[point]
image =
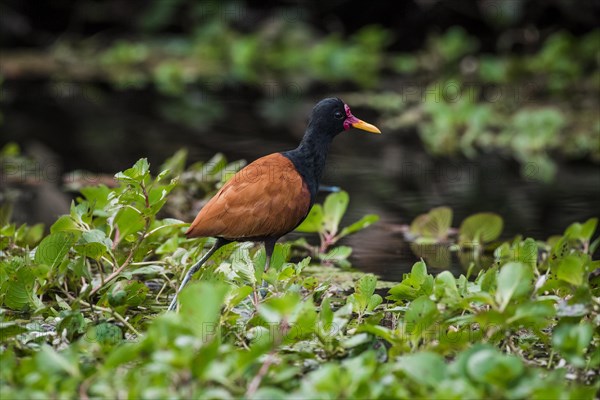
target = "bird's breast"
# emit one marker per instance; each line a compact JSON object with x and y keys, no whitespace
{"x":266,"y":199}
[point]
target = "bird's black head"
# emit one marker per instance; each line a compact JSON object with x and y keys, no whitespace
{"x":332,"y":116}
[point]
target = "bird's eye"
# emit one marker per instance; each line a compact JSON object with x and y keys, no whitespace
{"x":338,"y":115}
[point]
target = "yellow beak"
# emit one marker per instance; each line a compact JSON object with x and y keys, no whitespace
{"x":365,"y":126}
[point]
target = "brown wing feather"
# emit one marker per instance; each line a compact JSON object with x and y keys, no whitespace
{"x":267,"y":198}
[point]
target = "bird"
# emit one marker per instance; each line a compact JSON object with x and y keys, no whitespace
{"x":271,"y":196}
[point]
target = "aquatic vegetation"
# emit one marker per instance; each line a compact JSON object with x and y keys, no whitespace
{"x":325,"y":220}
{"x":83,"y":309}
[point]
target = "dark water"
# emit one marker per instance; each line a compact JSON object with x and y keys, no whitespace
{"x":389,"y":174}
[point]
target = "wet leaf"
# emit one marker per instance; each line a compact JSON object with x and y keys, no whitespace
{"x":313,"y":222}
{"x":359,"y":225}
{"x":514,"y":282}
{"x":334,"y":209}
{"x":482,"y":227}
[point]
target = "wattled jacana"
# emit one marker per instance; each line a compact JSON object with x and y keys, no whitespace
{"x":271,"y":196}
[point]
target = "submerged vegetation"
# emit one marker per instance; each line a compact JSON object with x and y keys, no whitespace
{"x":83,"y":307}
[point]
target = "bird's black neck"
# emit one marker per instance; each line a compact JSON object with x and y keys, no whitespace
{"x":309,"y":158}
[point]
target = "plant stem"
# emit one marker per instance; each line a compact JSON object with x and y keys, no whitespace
{"x":262,"y":372}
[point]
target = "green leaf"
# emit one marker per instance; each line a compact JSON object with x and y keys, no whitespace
{"x":420,"y":316}
{"x":435,"y":224}
{"x":361,"y":224}
{"x":137,"y":173}
{"x":127,"y":293}
{"x":333,"y":209}
{"x":9,"y":329}
{"x":363,"y":299}
{"x":445,"y":289}
{"x":588,"y":229}
{"x":72,"y":323}
{"x":571,"y":269}
{"x":536,"y":313}
{"x":97,"y":196}
{"x":93,"y":244}
{"x":53,"y":249}
{"x":514,"y":282}
{"x":571,"y":340}
{"x":313,"y":222}
{"x":326,"y":314}
{"x":490,"y":366}
{"x":425,"y":368}
{"x":583,"y":232}
{"x":48,"y":359}
{"x":168,"y":246}
{"x":201,"y":304}
{"x":482,"y":227}
{"x":129,"y":221}
{"x":65,"y":223}
{"x":104,"y":333}
{"x":337,"y":253}
{"x":413,"y":285}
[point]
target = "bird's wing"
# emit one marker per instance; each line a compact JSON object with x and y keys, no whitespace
{"x":267,"y":198}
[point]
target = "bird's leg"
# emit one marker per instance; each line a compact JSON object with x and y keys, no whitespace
{"x":194,"y":268}
{"x":269,"y":247}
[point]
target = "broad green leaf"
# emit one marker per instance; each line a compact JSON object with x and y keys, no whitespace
{"x":571,"y":340}
{"x":478,"y":228}
{"x":488,"y":280}
{"x":374,"y":301}
{"x":492,"y":367}
{"x":363,"y":299}
{"x":435,"y":224}
{"x":93,"y":244}
{"x":53,"y":249}
{"x":137,"y":173}
{"x":445,"y":289}
{"x":326,"y":314}
{"x":333,"y":210}
{"x":129,"y":221}
{"x":313,"y":222}
{"x":514,"y":282}
{"x":361,"y":224}
{"x":122,"y":354}
{"x":127,"y":293}
{"x":571,"y":269}
{"x":168,"y":246}
{"x":31,"y":235}
{"x":533,"y":313}
{"x":104,"y":333}
{"x":97,"y":196}
{"x":337,"y":253}
{"x":48,"y":359}
{"x":237,"y":295}
{"x":365,"y":286}
{"x":64,"y":223}
{"x":413,"y":285}
{"x":176,"y":163}
{"x":425,"y":368}
{"x":583,"y":232}
{"x":588,"y":229}
{"x":281,"y":254}
{"x":380,"y":331}
{"x":201,"y":304}
{"x":302,"y":322}
{"x":420,"y":316}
